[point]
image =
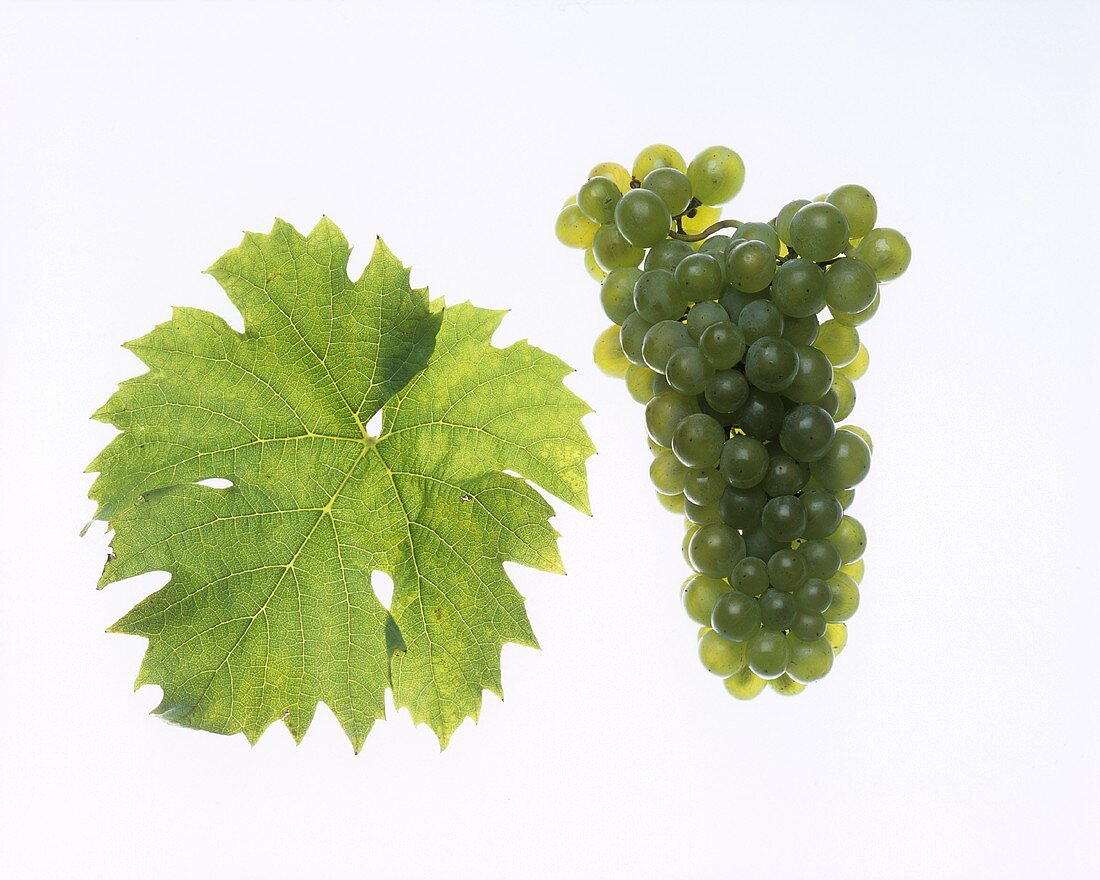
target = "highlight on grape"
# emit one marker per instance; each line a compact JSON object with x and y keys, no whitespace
{"x":717,"y":328}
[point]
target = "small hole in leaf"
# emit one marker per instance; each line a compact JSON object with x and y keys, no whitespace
{"x":382,"y":584}
{"x":374,"y":426}
{"x":215,"y":483}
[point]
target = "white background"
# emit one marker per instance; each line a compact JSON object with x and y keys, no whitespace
{"x":956,"y":736}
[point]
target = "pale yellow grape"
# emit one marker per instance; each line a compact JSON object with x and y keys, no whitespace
{"x":613,"y":170}
{"x":859,"y":432}
{"x":639,"y":382}
{"x":572,"y":200}
{"x":854,"y":570}
{"x":594,"y":270}
{"x":689,"y":532}
{"x":745,"y":685}
{"x":716,"y":174}
{"x":786,"y":685}
{"x":719,"y":656}
{"x":574,"y":229}
{"x":846,"y":396}
{"x":838,"y":342}
{"x":671,"y":503}
{"x":658,"y":156}
{"x":608,"y":353}
{"x":857,"y":369}
{"x":705,"y":215}
{"x":836,"y":634}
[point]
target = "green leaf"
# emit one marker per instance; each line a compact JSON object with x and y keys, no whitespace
{"x":270,"y":607}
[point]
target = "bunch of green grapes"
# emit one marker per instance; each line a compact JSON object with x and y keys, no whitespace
{"x":718,"y":333}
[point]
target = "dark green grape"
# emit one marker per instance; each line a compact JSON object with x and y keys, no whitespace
{"x":742,"y":508}
{"x":767,"y":654}
{"x":612,"y":251}
{"x":829,"y":402}
{"x":702,"y":315}
{"x":700,"y":514}
{"x":705,"y":486}
{"x":631,"y":336}
{"x":597,"y":199}
{"x":786,"y":570}
{"x":688,"y":371}
{"x":858,"y":207}
{"x":664,"y":413}
{"x":744,"y":461}
{"x":807,"y":432}
{"x":667,"y":254}
{"x":727,"y":390}
{"x":771,"y":363}
{"x":760,"y":318}
{"x":798,"y":289}
{"x":699,"y":593}
{"x":734,"y":300}
{"x":657,"y":296}
{"x":814,"y":595}
{"x":715,"y":549}
{"x":845,"y":599}
{"x":783,"y":518}
{"x":617,"y":293}
{"x":764,"y":232}
{"x":750,"y":576}
{"x":783,"y":219}
{"x":785,"y":476}
{"x":761,"y":416}
{"x":661,"y":340}
{"x":814,"y":377}
{"x":660,"y":383}
{"x":642,"y":218}
{"x":698,"y":441}
{"x":723,"y":344}
{"x":778,"y":610}
{"x":671,"y":185}
{"x":667,"y":473}
{"x":850,"y":286}
{"x":700,"y":277}
{"x":759,"y":544}
{"x":808,"y":661}
{"x":750,"y":266}
{"x":823,"y":513}
{"x":717,"y":245}
{"x":801,"y":332}
{"x":886,"y":251}
{"x":844,"y":464}
{"x":818,"y":231}
{"x":822,"y":558}
{"x":850,"y":540}
{"x":735,"y":616}
{"x":720,"y":656}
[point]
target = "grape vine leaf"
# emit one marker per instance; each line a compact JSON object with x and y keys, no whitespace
{"x":270,"y":608}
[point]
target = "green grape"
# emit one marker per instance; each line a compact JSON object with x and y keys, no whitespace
{"x":699,"y":593}
{"x":667,"y":254}
{"x":665,"y":412}
{"x":798,"y":289}
{"x":807,"y":432}
{"x":597,"y":199}
{"x":814,"y":377}
{"x":690,"y":529}
{"x":814,"y":595}
{"x":800,"y":332}
{"x":818,"y":231}
{"x":838,"y":342}
{"x":657,"y":156}
{"x":854,"y":570}
{"x":808,"y":661}
{"x":844,"y":464}
{"x":858,"y":207}
{"x":785,"y":476}
{"x":850,"y":286}
{"x":657,"y":297}
{"x":617,"y":293}
{"x":767,"y":653}
{"x":759,"y":544}
{"x":632,"y":335}
{"x":822,"y":558}
{"x":615,"y":171}
{"x":760,"y":318}
{"x":639,"y":381}
{"x":859,"y":317}
{"x":845,"y":599}
{"x":850,"y":539}
{"x":734,"y":300}
{"x":700,"y":277}
{"x":886,"y":251}
{"x":704,"y":486}
{"x":808,"y":626}
{"x":845,"y":396}
{"x":783,"y":518}
{"x":736,"y":616}
{"x":721,"y":656}
{"x":642,"y":218}
{"x":764,"y":232}
{"x":761,"y":416}
{"x":787,"y":570}
{"x":778,"y":610}
{"x":783,"y":219}
{"x":654,"y":447}
{"x":750,"y":576}
{"x":702,"y":315}
{"x":742,"y":508}
{"x":771,"y":363}
{"x":702,"y":514}
{"x":786,"y":686}
{"x":715,"y":549}
{"x":660,"y":384}
{"x":861,"y":433}
{"x":846,"y":497}
{"x":672,"y":185}
{"x":612,"y":251}
{"x":745,"y":685}
{"x":750,"y":266}
{"x":698,"y":440}
{"x":592,"y":267}
{"x":608,"y":353}
{"x":836,"y":634}
{"x":726,"y":391}
{"x":716,"y":175}
{"x":667,"y":473}
{"x":660,"y":341}
{"x":717,"y":244}
{"x":857,"y":369}
{"x":671,"y":503}
{"x":688,"y":371}
{"x":723,"y":344}
{"x":829,"y":402}
{"x":698,"y":220}
{"x":573,"y":229}
{"x":744,"y":461}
